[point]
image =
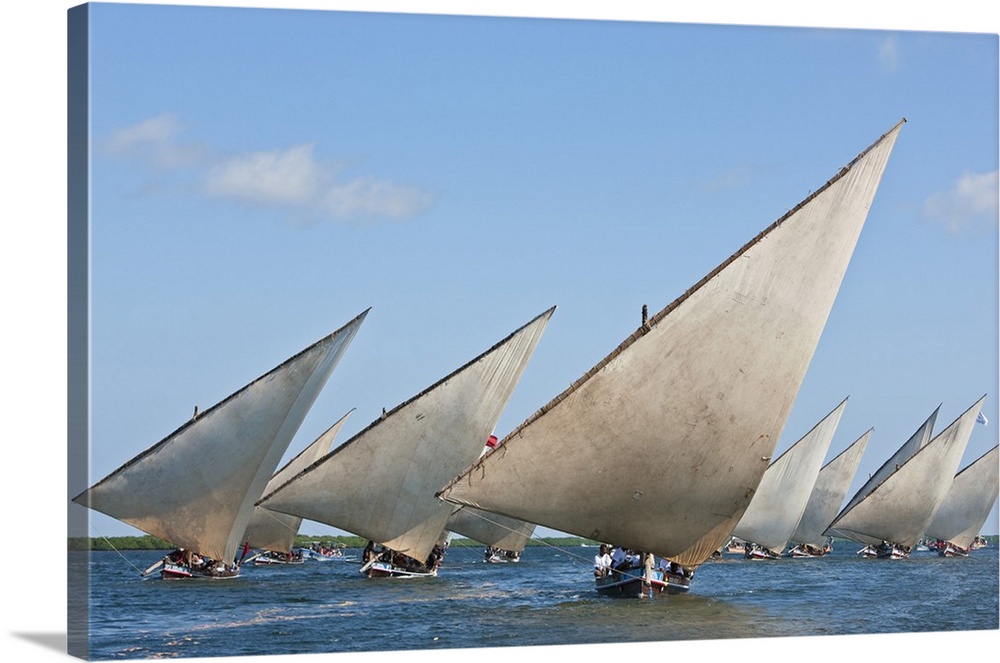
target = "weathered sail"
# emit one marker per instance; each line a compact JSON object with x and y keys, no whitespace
{"x":269,"y":530}
{"x":973,"y":492}
{"x":783,"y":492}
{"x":196,"y":488}
{"x":899,"y":509}
{"x":380,"y":484}
{"x":660,"y":446}
{"x":828,"y":493}
{"x":490,"y":529}
{"x":917,"y":441}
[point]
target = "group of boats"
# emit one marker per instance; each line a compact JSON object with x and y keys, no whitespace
{"x":672,"y":436}
{"x":916,"y":494}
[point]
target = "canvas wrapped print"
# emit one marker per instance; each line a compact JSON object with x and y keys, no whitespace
{"x":456,"y":334}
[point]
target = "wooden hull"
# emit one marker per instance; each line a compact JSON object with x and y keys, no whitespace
{"x":386,"y":570}
{"x":630,"y":584}
{"x":951,"y":550}
{"x":759,"y":552}
{"x":891,"y":552}
{"x":183,"y":572}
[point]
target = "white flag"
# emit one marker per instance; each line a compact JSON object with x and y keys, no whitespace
{"x":981,"y":419}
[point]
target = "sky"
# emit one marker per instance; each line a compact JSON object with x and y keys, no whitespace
{"x":261,"y":176}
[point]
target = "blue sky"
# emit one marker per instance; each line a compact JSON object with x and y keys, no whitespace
{"x":261,"y":176}
{"x":459,"y":176}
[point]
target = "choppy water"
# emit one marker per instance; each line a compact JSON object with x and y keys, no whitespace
{"x":548,"y":598}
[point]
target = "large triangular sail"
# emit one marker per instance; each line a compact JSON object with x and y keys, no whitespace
{"x":828,"y":493}
{"x":269,"y":530}
{"x":899,"y":509}
{"x":196,"y":488}
{"x":973,"y":492}
{"x":380,"y":484}
{"x":660,"y":446}
{"x":917,"y":441}
{"x":783,"y":492}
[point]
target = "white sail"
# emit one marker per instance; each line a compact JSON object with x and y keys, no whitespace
{"x":917,"y":441}
{"x":196,"y":488}
{"x":660,"y":446}
{"x":828,"y":493}
{"x":781,"y":497}
{"x":269,"y":530}
{"x":491,"y":529}
{"x":380,"y":484}
{"x":973,"y":492}
{"x":899,"y":509}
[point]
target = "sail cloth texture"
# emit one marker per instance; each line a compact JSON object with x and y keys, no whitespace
{"x":660,"y":446}
{"x":381,"y":483}
{"x":196,"y":488}
{"x":973,"y":491}
{"x":828,"y":493}
{"x":783,"y":492}
{"x":269,"y":530}
{"x":899,"y":509}
{"x":490,"y":529}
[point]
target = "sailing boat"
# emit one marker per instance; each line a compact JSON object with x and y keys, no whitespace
{"x":274,"y":533}
{"x":915,"y":443}
{"x":891,"y":518}
{"x":504,"y":537}
{"x":660,"y":446}
{"x":196,"y":488}
{"x":828,"y":494}
{"x":783,"y":492}
{"x":961,"y":515}
{"x":380,"y":484}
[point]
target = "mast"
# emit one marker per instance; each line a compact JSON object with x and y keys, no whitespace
{"x":660,"y":446}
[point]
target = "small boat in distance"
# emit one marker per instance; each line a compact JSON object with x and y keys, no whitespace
{"x":196,"y":488}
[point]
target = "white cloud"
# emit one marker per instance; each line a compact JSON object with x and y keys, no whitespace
{"x":970,"y":202}
{"x":888,"y":53}
{"x":369,"y":198}
{"x":154,"y":142}
{"x":278,"y":177}
{"x":290,"y":178}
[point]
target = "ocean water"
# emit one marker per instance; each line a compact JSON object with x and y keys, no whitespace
{"x":547,"y":598}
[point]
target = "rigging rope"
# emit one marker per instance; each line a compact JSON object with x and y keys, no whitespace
{"x":119,"y":552}
{"x":481,"y":516}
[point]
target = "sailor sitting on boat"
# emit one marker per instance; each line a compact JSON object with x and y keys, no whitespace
{"x":602,"y":561}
